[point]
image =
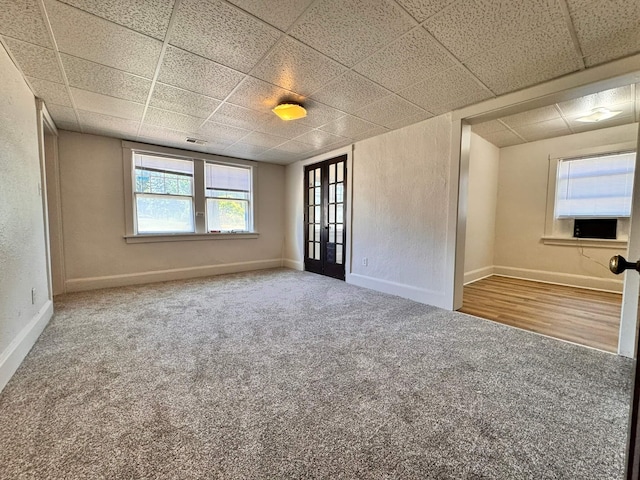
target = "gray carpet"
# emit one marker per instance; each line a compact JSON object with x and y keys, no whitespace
{"x":289,"y":375}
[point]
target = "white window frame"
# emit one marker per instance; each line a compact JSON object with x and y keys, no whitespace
{"x":559,"y":231}
{"x":593,"y":215}
{"x":200,"y":220}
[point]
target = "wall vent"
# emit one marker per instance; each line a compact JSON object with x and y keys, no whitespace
{"x":197,"y":141}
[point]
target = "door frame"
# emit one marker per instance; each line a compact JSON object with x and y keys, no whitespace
{"x":334,"y":270}
{"x":611,"y":75}
{"x":295,"y":209}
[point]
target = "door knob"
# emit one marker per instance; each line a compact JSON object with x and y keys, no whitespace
{"x":619,"y":264}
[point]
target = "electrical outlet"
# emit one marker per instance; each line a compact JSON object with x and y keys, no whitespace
{"x":33,"y":296}
{"x":365,"y":261}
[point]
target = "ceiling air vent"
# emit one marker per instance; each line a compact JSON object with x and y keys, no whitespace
{"x":197,"y":141}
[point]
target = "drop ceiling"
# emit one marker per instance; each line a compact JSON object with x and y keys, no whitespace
{"x":562,"y":118}
{"x":159,"y":71}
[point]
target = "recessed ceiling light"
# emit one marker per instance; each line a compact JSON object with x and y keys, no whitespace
{"x":598,"y":114}
{"x":290,"y":111}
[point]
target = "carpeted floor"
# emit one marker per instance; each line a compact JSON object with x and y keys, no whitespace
{"x":289,"y":375}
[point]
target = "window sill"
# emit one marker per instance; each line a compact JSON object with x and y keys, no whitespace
{"x":188,"y":237}
{"x":584,"y":242}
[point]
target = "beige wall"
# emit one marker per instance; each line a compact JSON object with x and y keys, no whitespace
{"x":23,"y":260}
{"x":96,"y":254}
{"x":522,"y":210}
{"x":400,"y":197}
{"x":482,"y":200}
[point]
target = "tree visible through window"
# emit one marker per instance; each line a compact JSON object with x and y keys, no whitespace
{"x":163,"y":194}
{"x":228,"y":192}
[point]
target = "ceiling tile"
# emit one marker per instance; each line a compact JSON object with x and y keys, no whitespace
{"x":488,"y":127}
{"x":243,"y":150}
{"x":295,"y":147}
{"x":108,"y":44}
{"x":22,"y":20}
{"x":296,"y":67}
{"x":36,"y":61}
{"x":108,"y":81}
{"x":182,"y":101}
{"x":105,"y":105}
{"x":167,"y":136}
{"x":409,"y":121}
{"x":469,"y":28}
{"x":279,"y":13}
{"x":454,"y":88}
{"x":261,"y":96}
{"x":350,"y":92}
{"x":52,"y":93}
{"x":262,"y":140}
{"x":173,"y":120}
{"x":218,"y":31}
{"x":64,"y":115}
{"x":192,"y":72}
{"x":579,"y":127}
{"x":351,"y":30}
{"x":542,"y":130}
{"x":627,"y":115}
{"x":278,"y":157}
{"x":502,"y":138}
{"x":423,"y":9}
{"x":532,"y":116}
{"x":606,"y":30}
{"x":150,"y":17}
{"x":236,"y":116}
{"x":222,"y":133}
{"x":413,"y":57}
{"x":533,"y":58}
{"x":389,"y":110}
{"x":371,"y":133}
{"x":349,"y":126}
{"x":320,"y":139}
{"x":319,"y":114}
{"x":607,"y":99}
{"x":275,"y":126}
{"x":99,"y":124}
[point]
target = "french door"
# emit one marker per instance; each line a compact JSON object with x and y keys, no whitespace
{"x":325,"y":195}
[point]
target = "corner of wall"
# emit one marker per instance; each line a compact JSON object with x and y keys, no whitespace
{"x":18,"y":349}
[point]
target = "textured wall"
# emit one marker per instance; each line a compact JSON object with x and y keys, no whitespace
{"x":481,"y":207}
{"x":92,"y":192}
{"x":522,"y":205}
{"x":400,"y":210}
{"x":23,"y":263}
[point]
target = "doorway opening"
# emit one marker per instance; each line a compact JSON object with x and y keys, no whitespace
{"x":325,"y":216}
{"x":526,"y":262}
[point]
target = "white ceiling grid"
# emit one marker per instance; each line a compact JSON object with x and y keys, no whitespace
{"x":161,"y":70}
{"x":561,"y":118}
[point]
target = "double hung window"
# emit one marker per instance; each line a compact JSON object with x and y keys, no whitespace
{"x":173,"y":194}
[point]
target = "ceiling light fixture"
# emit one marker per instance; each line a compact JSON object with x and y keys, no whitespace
{"x":598,"y":114}
{"x":290,"y":111}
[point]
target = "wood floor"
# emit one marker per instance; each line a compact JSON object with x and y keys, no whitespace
{"x":587,"y":317}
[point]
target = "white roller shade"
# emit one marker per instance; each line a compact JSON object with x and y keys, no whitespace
{"x":595,"y":187}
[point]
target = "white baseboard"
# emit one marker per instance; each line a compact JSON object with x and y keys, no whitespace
{"x":94,"y":283}
{"x":293,"y":264}
{"x":399,"y":289}
{"x":478,"y":274}
{"x":18,"y":349}
{"x":594,"y":283}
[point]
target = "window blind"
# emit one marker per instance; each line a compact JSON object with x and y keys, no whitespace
{"x":597,"y":187}
{"x":226,"y":178}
